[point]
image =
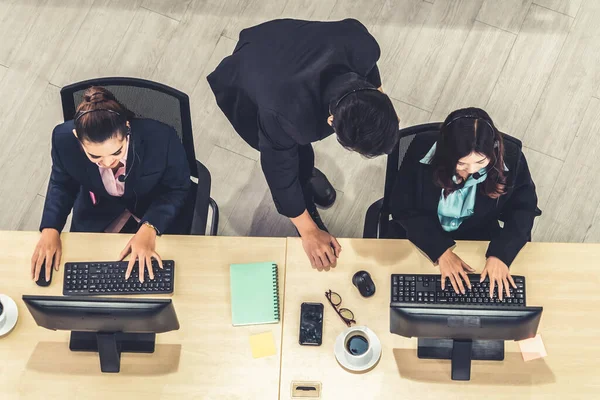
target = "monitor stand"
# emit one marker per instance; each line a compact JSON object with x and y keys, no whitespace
{"x":109,"y":346}
{"x":461,"y":352}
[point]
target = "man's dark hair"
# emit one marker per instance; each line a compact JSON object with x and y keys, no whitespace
{"x":365,"y":121}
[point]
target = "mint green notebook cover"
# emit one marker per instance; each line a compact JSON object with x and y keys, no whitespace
{"x":254,"y":293}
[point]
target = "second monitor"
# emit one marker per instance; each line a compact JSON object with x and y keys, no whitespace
{"x":463,"y":328}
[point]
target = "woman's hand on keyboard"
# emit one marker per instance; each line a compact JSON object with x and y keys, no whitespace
{"x":142,"y":247}
{"x":48,"y":247}
{"x":499,"y":275}
{"x":452,"y":267}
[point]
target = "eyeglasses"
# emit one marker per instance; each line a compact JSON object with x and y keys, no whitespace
{"x":335,"y":300}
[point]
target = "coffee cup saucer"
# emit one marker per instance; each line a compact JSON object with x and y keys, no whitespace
{"x":358,"y":363}
{"x":11,"y":313}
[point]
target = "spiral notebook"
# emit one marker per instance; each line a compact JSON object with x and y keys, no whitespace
{"x":254,"y":293}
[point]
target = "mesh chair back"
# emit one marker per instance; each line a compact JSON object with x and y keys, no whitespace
{"x":146,"y":99}
{"x":394,"y":160}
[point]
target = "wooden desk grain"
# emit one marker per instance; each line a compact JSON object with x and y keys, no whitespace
{"x":563,"y":278}
{"x":207,"y":358}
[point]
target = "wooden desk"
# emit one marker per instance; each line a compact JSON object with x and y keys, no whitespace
{"x":206,"y":359}
{"x":563,"y":278}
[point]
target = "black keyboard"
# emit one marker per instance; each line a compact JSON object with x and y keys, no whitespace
{"x":98,"y":278}
{"x":427,"y":289}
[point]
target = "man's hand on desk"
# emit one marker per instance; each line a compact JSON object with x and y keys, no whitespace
{"x":321,"y":248}
{"x":48,"y":248}
{"x":142,"y":247}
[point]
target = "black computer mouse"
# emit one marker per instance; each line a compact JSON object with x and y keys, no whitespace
{"x":362,"y":280}
{"x":42,"y":279}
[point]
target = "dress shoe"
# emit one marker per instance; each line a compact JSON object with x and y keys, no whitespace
{"x":322,"y":190}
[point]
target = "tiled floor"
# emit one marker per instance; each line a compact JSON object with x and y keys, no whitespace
{"x":533,"y":65}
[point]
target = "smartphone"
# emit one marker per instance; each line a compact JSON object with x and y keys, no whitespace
{"x":311,"y":324}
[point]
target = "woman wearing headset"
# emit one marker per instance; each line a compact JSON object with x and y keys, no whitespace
{"x":119,"y":174}
{"x":456,"y":184}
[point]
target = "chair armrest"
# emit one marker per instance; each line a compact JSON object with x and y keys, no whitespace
{"x":214,"y":222}
{"x":371,"y":228}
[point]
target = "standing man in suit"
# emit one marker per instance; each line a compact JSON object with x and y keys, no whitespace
{"x":289,"y":83}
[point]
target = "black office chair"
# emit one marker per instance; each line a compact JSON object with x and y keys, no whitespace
{"x":378,"y":218}
{"x":154,"y":100}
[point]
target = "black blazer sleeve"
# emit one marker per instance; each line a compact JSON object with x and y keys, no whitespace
{"x":518,"y":214}
{"x":422,"y":226}
{"x":61,"y":194}
{"x":175,"y":184}
{"x":279,"y":160}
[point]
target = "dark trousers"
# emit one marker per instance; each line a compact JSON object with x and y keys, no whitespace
{"x":306,"y":156}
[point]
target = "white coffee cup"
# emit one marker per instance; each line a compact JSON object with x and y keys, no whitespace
{"x":2,"y":314}
{"x":9,"y":314}
{"x":357,"y":348}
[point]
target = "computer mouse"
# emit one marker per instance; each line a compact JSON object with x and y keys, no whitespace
{"x":42,"y":279}
{"x":363,"y":282}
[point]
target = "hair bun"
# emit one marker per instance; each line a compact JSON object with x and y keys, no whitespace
{"x":97,"y":94}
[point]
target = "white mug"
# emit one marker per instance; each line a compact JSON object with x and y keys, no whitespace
{"x":357,"y":348}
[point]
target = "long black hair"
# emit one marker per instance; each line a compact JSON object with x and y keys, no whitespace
{"x":466,"y":131}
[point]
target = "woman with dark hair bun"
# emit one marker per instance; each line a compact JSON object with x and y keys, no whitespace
{"x":117,"y":173}
{"x":456,"y":184}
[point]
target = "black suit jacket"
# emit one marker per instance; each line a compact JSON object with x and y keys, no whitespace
{"x":415,"y":199}
{"x":272,"y":91}
{"x":155,"y":189}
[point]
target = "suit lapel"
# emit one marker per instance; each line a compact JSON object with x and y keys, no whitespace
{"x":135,"y":156}
{"x":93,"y":172}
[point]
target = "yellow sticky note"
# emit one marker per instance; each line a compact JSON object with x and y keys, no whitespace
{"x":262,"y":345}
{"x":533,"y":348}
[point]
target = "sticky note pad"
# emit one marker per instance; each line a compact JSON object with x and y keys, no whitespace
{"x":533,"y":348}
{"x":262,"y":345}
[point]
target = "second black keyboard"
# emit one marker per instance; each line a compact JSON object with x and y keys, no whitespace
{"x":104,"y":278}
{"x":427,"y":289}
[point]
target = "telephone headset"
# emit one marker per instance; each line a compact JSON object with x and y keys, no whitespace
{"x":337,"y":103}
{"x":477,"y":175}
{"x":121,"y":178}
